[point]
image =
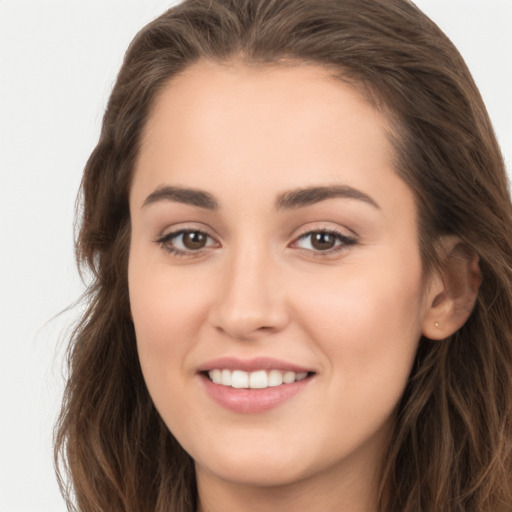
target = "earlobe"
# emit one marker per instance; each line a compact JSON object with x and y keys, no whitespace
{"x":453,"y":290}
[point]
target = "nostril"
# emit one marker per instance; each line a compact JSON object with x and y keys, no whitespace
{"x":244,"y":329}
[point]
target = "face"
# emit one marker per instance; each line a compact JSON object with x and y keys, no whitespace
{"x":275,"y":278}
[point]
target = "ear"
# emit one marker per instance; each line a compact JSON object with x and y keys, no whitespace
{"x":453,"y":289}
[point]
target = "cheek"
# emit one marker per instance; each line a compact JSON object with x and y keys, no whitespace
{"x":367,"y":324}
{"x":167,"y":315}
{"x":367,"y":331}
{"x":365,"y":297}
{"x":167,"y":312}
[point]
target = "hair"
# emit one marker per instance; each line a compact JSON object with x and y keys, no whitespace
{"x":451,"y":448}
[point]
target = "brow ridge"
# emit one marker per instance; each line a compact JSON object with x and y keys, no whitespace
{"x":303,"y":197}
{"x":183,"y":195}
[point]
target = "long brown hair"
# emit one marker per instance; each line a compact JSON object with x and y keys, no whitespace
{"x":451,"y":449}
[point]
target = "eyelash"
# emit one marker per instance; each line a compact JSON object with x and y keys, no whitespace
{"x":345,"y":241}
{"x":342,"y":240}
{"x":166,"y":242}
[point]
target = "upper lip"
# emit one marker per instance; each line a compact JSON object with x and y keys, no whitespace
{"x":250,"y":365}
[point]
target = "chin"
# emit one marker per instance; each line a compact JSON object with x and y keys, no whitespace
{"x":256,"y":469}
{"x":262,"y":475}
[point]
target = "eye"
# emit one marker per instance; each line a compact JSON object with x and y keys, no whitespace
{"x":325,"y":241}
{"x":186,"y":241}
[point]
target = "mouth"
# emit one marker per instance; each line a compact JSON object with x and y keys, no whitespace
{"x":259,"y":379}
{"x":253,"y":386}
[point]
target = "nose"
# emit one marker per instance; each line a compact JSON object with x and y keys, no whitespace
{"x":251,"y":298}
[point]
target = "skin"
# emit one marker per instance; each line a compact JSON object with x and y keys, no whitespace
{"x":353,"y":314}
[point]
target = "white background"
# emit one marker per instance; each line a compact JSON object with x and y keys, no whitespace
{"x":58,"y":61}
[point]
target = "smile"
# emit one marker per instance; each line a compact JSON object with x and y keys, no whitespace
{"x":253,"y":386}
{"x":259,"y":379}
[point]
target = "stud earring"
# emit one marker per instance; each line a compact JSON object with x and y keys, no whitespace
{"x":437,"y":324}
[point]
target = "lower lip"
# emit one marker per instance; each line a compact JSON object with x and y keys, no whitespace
{"x":252,"y":401}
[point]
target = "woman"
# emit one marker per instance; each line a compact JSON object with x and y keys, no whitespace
{"x":299,"y":228}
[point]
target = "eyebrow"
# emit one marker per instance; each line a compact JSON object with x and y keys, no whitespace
{"x":302,"y":197}
{"x":299,"y":198}
{"x":183,"y":195}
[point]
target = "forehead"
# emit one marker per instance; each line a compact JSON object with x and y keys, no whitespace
{"x":212,"y":92}
{"x":261,"y":115}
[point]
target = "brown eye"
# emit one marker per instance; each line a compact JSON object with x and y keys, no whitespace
{"x":186,"y":242}
{"x":323,"y":241}
{"x":194,"y":240}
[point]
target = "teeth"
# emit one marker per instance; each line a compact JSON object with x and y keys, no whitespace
{"x":254,"y":380}
{"x":258,"y":380}
{"x":239,"y":379}
{"x":225,"y":378}
{"x":275,"y":378}
{"x":288,"y":377}
{"x":216,"y":376}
